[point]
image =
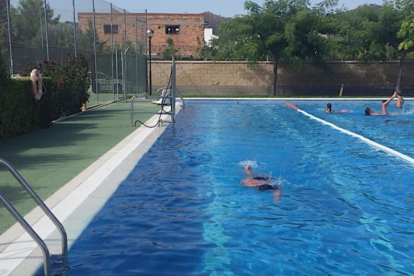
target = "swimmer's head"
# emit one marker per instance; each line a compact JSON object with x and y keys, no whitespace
{"x":329,"y":105}
{"x":368,"y":111}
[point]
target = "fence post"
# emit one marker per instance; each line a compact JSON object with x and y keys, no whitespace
{"x":46,"y":32}
{"x":10,"y":37}
{"x":112,"y":54}
{"x":74,"y":28}
{"x":94,"y":51}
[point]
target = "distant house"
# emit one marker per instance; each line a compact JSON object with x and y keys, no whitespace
{"x":209,"y":36}
{"x":186,"y":30}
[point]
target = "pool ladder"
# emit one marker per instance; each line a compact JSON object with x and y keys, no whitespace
{"x":47,"y":265}
{"x":167,"y":99}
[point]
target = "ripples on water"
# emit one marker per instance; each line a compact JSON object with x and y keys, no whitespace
{"x":346,"y":208}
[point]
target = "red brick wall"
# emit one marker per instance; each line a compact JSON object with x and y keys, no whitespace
{"x":133,"y":30}
{"x":191,"y":27}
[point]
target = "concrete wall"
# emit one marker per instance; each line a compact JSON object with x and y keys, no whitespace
{"x":212,"y":78}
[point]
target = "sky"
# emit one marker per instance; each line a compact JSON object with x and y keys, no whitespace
{"x":226,"y":8}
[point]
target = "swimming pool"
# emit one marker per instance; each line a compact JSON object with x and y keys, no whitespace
{"x":346,"y":207}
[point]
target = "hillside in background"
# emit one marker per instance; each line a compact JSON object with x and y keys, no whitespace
{"x":213,"y":21}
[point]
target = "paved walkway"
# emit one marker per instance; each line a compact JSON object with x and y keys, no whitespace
{"x":91,"y":184}
{"x":48,"y":159}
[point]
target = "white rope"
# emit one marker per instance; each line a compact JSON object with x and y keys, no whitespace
{"x":362,"y":138}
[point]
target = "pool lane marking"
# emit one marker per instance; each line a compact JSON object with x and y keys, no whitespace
{"x":366,"y":140}
{"x":381,"y":240}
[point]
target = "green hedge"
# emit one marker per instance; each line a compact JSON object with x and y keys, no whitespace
{"x":65,"y":89}
{"x":20,"y":113}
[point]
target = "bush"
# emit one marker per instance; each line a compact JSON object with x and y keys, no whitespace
{"x":65,"y":90}
{"x":20,"y":113}
{"x":4,"y":92}
{"x":70,"y":82}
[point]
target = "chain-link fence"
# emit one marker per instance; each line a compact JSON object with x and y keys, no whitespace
{"x":113,"y":39}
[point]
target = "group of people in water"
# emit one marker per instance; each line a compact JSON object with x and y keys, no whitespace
{"x":369,"y":112}
{"x":263,"y":183}
{"x":399,"y":104}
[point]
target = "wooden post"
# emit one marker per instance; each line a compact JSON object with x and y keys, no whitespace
{"x":341,"y":90}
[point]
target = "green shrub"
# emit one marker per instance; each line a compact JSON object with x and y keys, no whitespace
{"x":65,"y":89}
{"x":70,"y":82}
{"x":20,"y":113}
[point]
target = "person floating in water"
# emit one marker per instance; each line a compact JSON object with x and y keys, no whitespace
{"x":329,"y":108}
{"x":370,"y":112}
{"x":261,"y":183}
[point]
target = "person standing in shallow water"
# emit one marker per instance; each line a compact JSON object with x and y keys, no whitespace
{"x":261,"y":183}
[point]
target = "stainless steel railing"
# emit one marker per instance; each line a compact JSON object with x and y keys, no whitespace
{"x":28,"y":228}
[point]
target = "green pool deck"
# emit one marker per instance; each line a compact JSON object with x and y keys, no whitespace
{"x":49,"y":158}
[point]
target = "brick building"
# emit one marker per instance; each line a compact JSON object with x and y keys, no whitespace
{"x":186,"y":30}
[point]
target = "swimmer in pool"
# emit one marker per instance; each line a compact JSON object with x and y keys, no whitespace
{"x":400,"y":100}
{"x":329,"y":108}
{"x":262,"y":183}
{"x":370,"y":112}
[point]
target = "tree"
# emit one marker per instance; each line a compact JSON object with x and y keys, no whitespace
{"x":406,"y":34}
{"x":3,"y":28}
{"x":61,"y":35}
{"x":381,"y":33}
{"x":227,"y":41}
{"x":170,"y":51}
{"x":28,"y":21}
{"x":204,"y":50}
{"x":284,"y":29}
{"x":346,"y":29}
{"x":371,"y":30}
{"x":87,"y":39}
{"x":4,"y":74}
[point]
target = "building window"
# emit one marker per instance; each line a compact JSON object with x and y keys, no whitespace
{"x":172,"y":29}
{"x":107,"y":29}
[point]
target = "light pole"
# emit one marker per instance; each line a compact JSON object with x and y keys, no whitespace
{"x":150,"y":34}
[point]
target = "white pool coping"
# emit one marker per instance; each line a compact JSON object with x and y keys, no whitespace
{"x":76,"y":203}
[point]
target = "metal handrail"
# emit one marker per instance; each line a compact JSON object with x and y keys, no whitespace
{"x":171,"y":95}
{"x":162,"y":112}
{"x":28,"y":228}
{"x":166,"y":87}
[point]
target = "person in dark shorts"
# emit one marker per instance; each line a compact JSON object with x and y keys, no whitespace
{"x":261,"y":183}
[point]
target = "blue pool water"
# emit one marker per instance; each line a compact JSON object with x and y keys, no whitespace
{"x":346,"y":207}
